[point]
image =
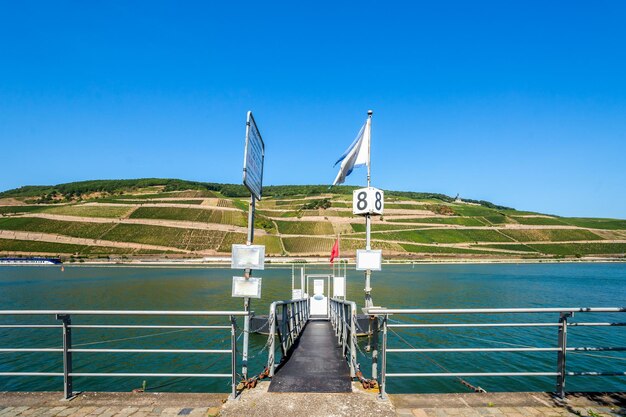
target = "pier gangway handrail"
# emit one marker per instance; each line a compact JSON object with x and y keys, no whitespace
{"x":66,"y":325}
{"x":563,"y":324}
{"x":294,"y":315}
{"x":343,"y":318}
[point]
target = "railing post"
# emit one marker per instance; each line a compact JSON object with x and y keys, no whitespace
{"x":344,"y":319}
{"x":246,"y":338}
{"x":296,"y":306}
{"x":339,"y":326}
{"x":383,"y":367}
{"x":374,"y":327}
{"x":344,"y":328}
{"x":290,"y":325}
{"x":284,"y":325}
{"x":270,"y":355}
{"x":352,"y":339}
{"x":68,"y":389}
{"x":561,"y":368}
{"x":233,"y":357}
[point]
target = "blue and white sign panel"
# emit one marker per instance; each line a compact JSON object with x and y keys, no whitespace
{"x":253,"y":158}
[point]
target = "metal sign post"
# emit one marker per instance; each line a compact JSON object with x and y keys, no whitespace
{"x":367,"y":202}
{"x":254,"y":155}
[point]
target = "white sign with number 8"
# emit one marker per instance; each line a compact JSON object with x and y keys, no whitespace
{"x":368,"y":201}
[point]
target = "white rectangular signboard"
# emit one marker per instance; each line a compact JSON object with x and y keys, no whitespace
{"x":368,"y":200}
{"x":369,"y":259}
{"x":253,"y":158}
{"x":318,"y":287}
{"x":339,"y":287}
{"x":248,"y":257}
{"x":250,"y":287}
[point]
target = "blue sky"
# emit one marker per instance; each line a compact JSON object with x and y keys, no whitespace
{"x":519,"y":103}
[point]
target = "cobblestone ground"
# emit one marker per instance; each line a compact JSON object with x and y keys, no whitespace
{"x":510,"y":412}
{"x":110,"y":405}
{"x":68,"y":411}
{"x":302,"y":405}
{"x":510,"y":405}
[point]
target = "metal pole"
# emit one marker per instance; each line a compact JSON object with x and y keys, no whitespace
{"x":560,"y":379}
{"x":251,"y":213}
{"x":272,"y":349}
{"x":352,"y":339}
{"x":368,"y":220}
{"x":344,"y":328}
{"x":68,"y":389}
{"x":233,"y":357}
{"x":283,"y":327}
{"x":374,"y":323}
{"x":368,"y":273}
{"x":369,"y":143}
{"x":246,"y":300}
{"x":383,"y":370}
{"x":246,"y":332}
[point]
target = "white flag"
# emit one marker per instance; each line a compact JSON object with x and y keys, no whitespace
{"x":356,"y":155}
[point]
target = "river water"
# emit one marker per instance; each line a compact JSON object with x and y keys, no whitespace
{"x":419,"y":286}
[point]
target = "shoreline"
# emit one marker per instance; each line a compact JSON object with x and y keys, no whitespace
{"x":285,"y":262}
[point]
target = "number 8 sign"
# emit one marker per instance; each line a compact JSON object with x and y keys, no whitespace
{"x":368,"y":201}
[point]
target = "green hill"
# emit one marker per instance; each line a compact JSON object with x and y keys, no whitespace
{"x":176,"y":218}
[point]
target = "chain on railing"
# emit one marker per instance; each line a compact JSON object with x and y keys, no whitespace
{"x":563,"y":324}
{"x":344,"y":321}
{"x":286,"y":320}
{"x":67,"y":350}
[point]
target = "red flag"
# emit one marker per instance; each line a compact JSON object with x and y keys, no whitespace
{"x":334,"y":253}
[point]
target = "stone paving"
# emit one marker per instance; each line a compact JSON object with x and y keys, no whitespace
{"x":110,"y":405}
{"x":259,"y":402}
{"x":509,"y":405}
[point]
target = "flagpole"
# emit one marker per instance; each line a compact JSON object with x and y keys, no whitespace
{"x":368,"y":218}
{"x":369,"y":142}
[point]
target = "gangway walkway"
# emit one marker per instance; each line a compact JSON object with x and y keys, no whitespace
{"x":316,"y":363}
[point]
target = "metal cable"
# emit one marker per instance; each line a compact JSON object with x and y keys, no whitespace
{"x":526,"y":346}
{"x":461,"y":380}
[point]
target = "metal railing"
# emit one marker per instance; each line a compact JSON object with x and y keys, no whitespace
{"x":561,"y":373}
{"x":343,"y":320}
{"x":286,"y":320}
{"x":68,"y":351}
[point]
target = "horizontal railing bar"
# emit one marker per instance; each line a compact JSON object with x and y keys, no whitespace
{"x":152,"y":375}
{"x":31,"y":350}
{"x":468,"y":374}
{"x":29,"y":326}
{"x":497,"y":310}
{"x":596,"y":324}
{"x":595,"y":373}
{"x":150,"y":350}
{"x":475,"y":325}
{"x":285,"y":302}
{"x":529,"y":349}
{"x":124,"y":312}
{"x":345,"y":302}
{"x":597,"y":349}
{"x":523,"y":349}
{"x":115,"y":374}
{"x":131,"y":326}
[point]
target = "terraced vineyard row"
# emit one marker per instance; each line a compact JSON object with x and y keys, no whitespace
{"x":235,"y":218}
{"x":298,"y":224}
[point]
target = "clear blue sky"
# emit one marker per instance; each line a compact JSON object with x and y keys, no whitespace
{"x":520,"y":103}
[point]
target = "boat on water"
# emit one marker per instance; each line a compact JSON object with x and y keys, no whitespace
{"x":30,"y":261}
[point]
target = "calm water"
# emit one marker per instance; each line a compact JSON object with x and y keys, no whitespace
{"x":425,"y":286}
